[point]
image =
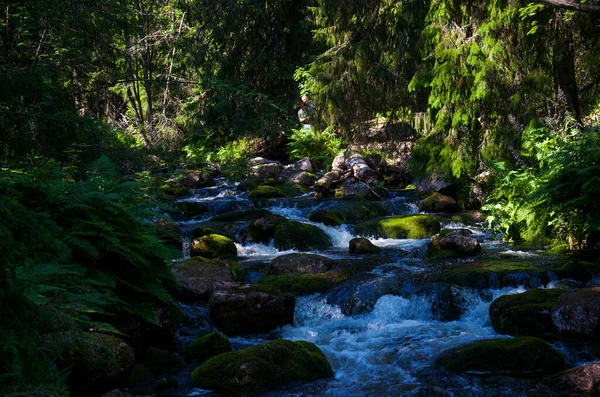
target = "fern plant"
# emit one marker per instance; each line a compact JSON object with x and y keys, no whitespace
{"x":320,"y":146}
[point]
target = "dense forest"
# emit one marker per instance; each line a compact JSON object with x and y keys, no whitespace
{"x":111,"y":110}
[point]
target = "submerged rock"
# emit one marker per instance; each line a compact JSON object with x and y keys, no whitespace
{"x":198,"y":276}
{"x":577,"y":313}
{"x":262,"y":367}
{"x":580,"y":380}
{"x":439,"y":203}
{"x":526,"y":314}
{"x":401,"y":226}
{"x":213,"y":246}
{"x":458,"y":242}
{"x":327,"y":217}
{"x":206,"y":346}
{"x":249,"y":310}
{"x":361,"y":246}
{"x":300,"y":236}
{"x":523,"y":356}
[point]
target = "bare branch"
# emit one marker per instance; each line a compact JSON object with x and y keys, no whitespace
{"x":573,"y":5}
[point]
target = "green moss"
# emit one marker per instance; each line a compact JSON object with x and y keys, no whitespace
{"x":526,"y":314}
{"x":301,"y":236}
{"x":267,"y":192}
{"x":302,"y":284}
{"x":410,"y":186}
{"x":263,"y":367}
{"x":402,"y":226}
{"x":247,"y":215}
{"x":213,"y":246}
{"x":162,"y":361}
{"x":360,"y":211}
{"x":327,"y":217}
{"x":206,"y":347}
{"x":140,"y":374}
{"x":524,"y":356}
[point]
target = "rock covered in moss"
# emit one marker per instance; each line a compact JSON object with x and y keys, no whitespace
{"x":577,"y":313}
{"x":362,"y":246}
{"x":582,"y":380}
{"x":249,"y":310}
{"x":262,"y":230}
{"x":198,"y":276}
{"x":213,"y":246}
{"x":268,"y":192}
{"x":300,"y":236}
{"x":522,"y":356}
{"x":263,"y":367}
{"x":401,"y":226}
{"x":162,"y":360}
{"x":207,"y":346}
{"x":458,"y":242}
{"x":526,"y":314}
{"x":360,"y":211}
{"x":438,"y":202}
{"x":227,"y":229}
{"x":246,"y":215}
{"x":327,"y":217}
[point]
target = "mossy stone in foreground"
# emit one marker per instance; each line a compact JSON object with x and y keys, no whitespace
{"x":213,"y":246}
{"x":526,"y":314}
{"x":263,"y":367}
{"x":301,"y":236}
{"x":402,"y":226}
{"x":206,"y":347}
{"x":523,"y":356}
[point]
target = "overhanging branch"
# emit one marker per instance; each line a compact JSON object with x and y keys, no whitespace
{"x":573,"y":5}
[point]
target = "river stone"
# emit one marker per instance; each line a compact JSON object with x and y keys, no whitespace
{"x":198,"y":276}
{"x":263,"y":367}
{"x":300,"y":263}
{"x":302,"y":178}
{"x":522,"y":356}
{"x":268,"y":192}
{"x":577,"y":313}
{"x":227,"y":229}
{"x":401,"y":226}
{"x":213,"y":246}
{"x":526,"y":314}
{"x":246,"y":215}
{"x":263,"y":168}
{"x":362,"y":246}
{"x":249,"y":310}
{"x":206,"y":346}
{"x":300,"y":236}
{"x":439,"y":203}
{"x":262,"y":230}
{"x":360,"y":211}
{"x":162,"y":361}
{"x":353,"y":190}
{"x":459,"y":242}
{"x":303,"y":164}
{"x":327,"y":217}
{"x":583,"y":380}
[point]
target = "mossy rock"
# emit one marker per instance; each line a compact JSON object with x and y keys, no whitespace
{"x":140,"y":374}
{"x":402,"y":226}
{"x":470,"y":217}
{"x":579,"y":270}
{"x":300,"y":236}
{"x":162,"y":361}
{"x":363,"y":246}
{"x":263,"y":367}
{"x":213,"y":246}
{"x":327,"y":217}
{"x":458,"y":241}
{"x":522,"y":356}
{"x":526,"y":314}
{"x":354,"y":212}
{"x":268,"y":192}
{"x":206,"y":347}
{"x":262,"y":230}
{"x":304,"y":284}
{"x":174,"y":191}
{"x":227,"y":229}
{"x":247,"y":215}
{"x":198,"y":276}
{"x":438,"y":202}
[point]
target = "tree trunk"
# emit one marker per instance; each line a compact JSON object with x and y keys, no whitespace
{"x":361,"y":170}
{"x":564,"y":68}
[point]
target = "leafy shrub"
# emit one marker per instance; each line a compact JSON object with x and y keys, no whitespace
{"x":320,"y":146}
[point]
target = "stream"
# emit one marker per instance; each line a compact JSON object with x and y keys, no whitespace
{"x":378,"y":329}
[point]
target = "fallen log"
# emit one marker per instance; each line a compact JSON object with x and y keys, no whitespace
{"x":360,"y":168}
{"x":326,"y":182}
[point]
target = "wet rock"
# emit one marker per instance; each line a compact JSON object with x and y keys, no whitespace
{"x":458,"y":242}
{"x":327,"y":217}
{"x":263,"y":367}
{"x":247,"y":215}
{"x":439,"y":203}
{"x":402,"y":226}
{"x":300,"y":263}
{"x":577,"y":313}
{"x":213,"y":246}
{"x":268,"y":192}
{"x":578,"y":270}
{"x":583,"y":380}
{"x":263,"y":168}
{"x":526,"y":314}
{"x":447,"y":301}
{"x":360,"y":211}
{"x":206,"y":346}
{"x":302,"y":178}
{"x":300,"y":236}
{"x":522,"y":356}
{"x":354,"y":190}
{"x":362,"y":246}
{"x":162,"y":361}
{"x":303,"y":164}
{"x":199,"y":275}
{"x":248,"y":310}
{"x":227,"y":229}
{"x":470,"y":217}
{"x":262,"y":230}
{"x":116,"y":393}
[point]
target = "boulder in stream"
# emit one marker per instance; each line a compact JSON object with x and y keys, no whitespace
{"x":401,"y":226}
{"x":583,"y":380}
{"x":213,"y":246}
{"x":451,"y":243}
{"x":250,"y":310}
{"x":327,"y":217}
{"x":577,"y":313}
{"x":206,"y":346}
{"x":522,"y":356}
{"x":246,"y":215}
{"x":262,"y":230}
{"x":300,"y":236}
{"x":199,"y":275}
{"x":269,"y":192}
{"x":362,"y":246}
{"x":357,"y":211}
{"x":526,"y":314}
{"x":438,"y":202}
{"x":263,"y":367}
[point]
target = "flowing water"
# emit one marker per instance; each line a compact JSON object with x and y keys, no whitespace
{"x":386,"y":340}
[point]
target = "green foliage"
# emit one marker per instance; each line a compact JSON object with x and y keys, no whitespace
{"x":320,"y":146}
